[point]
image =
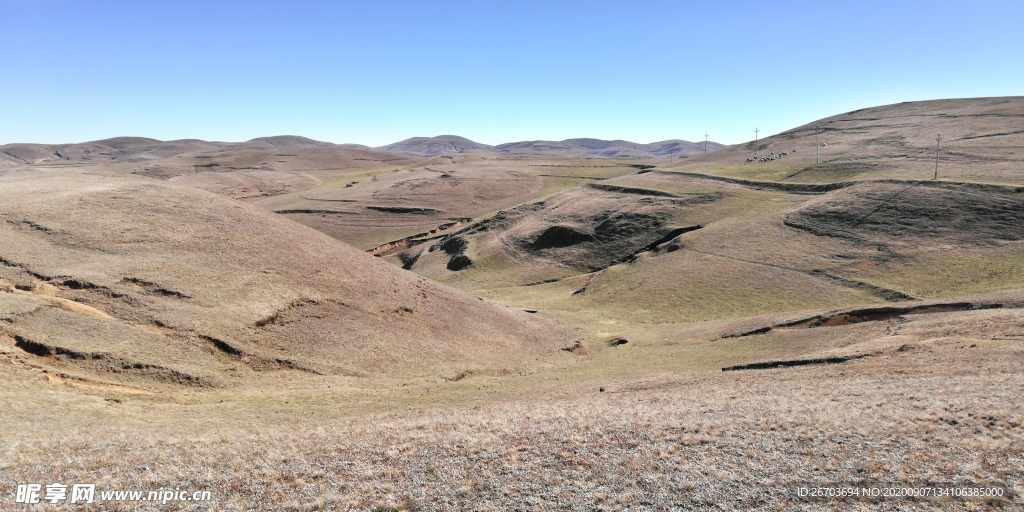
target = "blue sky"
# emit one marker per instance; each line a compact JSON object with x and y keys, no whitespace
{"x":376,"y":72}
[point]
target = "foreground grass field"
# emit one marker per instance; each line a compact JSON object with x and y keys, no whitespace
{"x":934,"y":406}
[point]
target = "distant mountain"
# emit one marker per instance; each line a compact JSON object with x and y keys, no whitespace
{"x":118,"y":149}
{"x":291,"y":141}
{"x":434,"y":146}
{"x":682,"y":147}
{"x":607,"y":148}
{"x":140,"y":149}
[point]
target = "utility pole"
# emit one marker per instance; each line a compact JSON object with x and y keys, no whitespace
{"x":705,"y":143}
{"x":817,"y":145}
{"x":755,"y":141}
{"x":937,"y":138}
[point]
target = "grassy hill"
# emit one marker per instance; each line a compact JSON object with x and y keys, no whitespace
{"x":131,"y":279}
{"x":708,"y":239}
{"x":434,"y":146}
{"x":387,"y":206}
{"x":981,"y":142}
{"x":607,"y":148}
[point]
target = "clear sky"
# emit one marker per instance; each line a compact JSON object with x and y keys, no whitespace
{"x":375,"y":72}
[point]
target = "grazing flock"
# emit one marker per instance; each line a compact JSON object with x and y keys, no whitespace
{"x":770,"y":157}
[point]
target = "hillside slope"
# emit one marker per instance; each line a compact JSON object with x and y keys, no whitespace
{"x":137,"y":280}
{"x":982,"y":141}
{"x":380,"y":207}
{"x":715,"y":237}
{"x":434,"y":146}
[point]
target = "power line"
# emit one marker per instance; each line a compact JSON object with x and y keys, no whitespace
{"x":755,"y":140}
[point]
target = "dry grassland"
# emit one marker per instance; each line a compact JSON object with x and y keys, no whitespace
{"x":981,"y":143}
{"x":563,"y":345}
{"x":945,"y":411}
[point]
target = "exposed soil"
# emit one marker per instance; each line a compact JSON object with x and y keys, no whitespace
{"x":108,"y":364}
{"x":404,"y":209}
{"x":767,"y":365}
{"x":319,"y":212}
{"x":630,"y":190}
{"x":577,"y":348}
{"x":870,"y":314}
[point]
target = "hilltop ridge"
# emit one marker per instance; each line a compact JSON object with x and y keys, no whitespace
{"x":982,"y":141}
{"x":141,"y":149}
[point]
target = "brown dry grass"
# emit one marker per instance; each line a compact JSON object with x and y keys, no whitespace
{"x":981,"y":143}
{"x":215,"y":286}
{"x":444,"y":189}
{"x":945,"y":412}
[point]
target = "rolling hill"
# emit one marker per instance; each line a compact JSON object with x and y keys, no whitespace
{"x":386,"y":206}
{"x":434,"y":146}
{"x":715,"y":237}
{"x":251,"y":170}
{"x":982,"y":141}
{"x":131,"y":280}
{"x":142,"y":149}
{"x":569,"y":148}
{"x":607,"y":148}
